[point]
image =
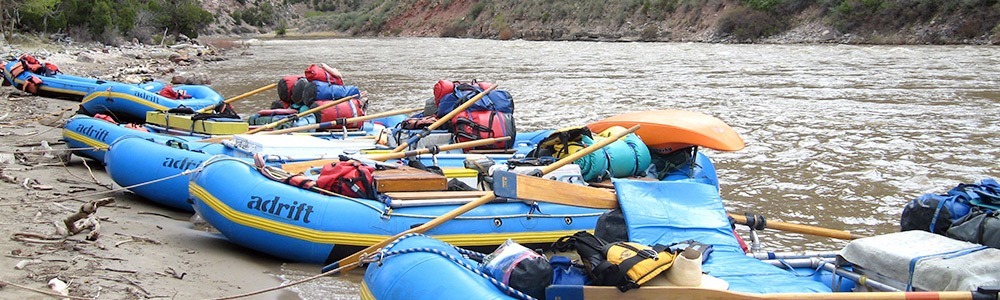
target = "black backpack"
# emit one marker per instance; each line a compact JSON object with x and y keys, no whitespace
{"x":644,"y":262}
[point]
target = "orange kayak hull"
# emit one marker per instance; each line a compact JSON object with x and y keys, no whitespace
{"x":665,"y":131}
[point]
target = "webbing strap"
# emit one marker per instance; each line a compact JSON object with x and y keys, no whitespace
{"x":937,"y":212}
{"x":945,"y":255}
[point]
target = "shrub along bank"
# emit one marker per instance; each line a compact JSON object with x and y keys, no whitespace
{"x":108,"y":21}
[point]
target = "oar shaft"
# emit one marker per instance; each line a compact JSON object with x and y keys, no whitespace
{"x":800,"y":228}
{"x":240,"y":97}
{"x":448,"y":147}
{"x":554,"y":191}
{"x":679,"y":292}
{"x":950,"y":295}
{"x":343,"y":121}
{"x":446,"y":117}
{"x":301,"y":114}
{"x":298,"y":167}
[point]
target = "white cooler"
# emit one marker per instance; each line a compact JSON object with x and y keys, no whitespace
{"x":295,"y":147}
{"x":939,"y":263}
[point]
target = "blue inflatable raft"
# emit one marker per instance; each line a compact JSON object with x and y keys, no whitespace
{"x":301,"y":225}
{"x":665,"y":212}
{"x":129,"y":103}
{"x":91,"y":137}
{"x":305,"y":226}
{"x":65,"y":86}
{"x":155,"y":169}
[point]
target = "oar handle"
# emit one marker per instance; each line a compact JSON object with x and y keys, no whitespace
{"x":801,"y":228}
{"x":301,"y":114}
{"x":445,"y":118}
{"x":241,"y":97}
{"x":349,"y":262}
{"x":342,"y":121}
{"x":448,"y":147}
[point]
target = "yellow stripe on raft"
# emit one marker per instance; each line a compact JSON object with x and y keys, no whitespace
{"x":73,"y":135}
{"x":366,"y":293}
{"x":358,"y":239}
{"x":52,"y":89}
{"x":124,"y":96}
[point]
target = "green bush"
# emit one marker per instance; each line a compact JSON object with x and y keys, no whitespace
{"x":106,"y":20}
{"x":764,"y":5}
{"x":746,"y":24}
{"x":282,"y":28}
{"x":477,"y":9}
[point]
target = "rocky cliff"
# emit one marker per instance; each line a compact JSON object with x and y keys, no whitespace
{"x":733,"y":21}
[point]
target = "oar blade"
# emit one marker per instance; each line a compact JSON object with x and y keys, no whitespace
{"x":505,"y":184}
{"x":529,"y":188}
{"x":646,"y":292}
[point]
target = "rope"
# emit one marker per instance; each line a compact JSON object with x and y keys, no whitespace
{"x":53,"y":150}
{"x":792,"y":270}
{"x":290,"y":284}
{"x":59,"y":113}
{"x":184,"y":173}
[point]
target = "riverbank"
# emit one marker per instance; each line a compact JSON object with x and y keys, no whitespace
{"x":140,"y":250}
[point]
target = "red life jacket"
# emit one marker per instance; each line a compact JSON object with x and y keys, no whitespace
{"x":316,"y":72}
{"x":169,"y":92}
{"x":348,"y":109}
{"x":483,"y":124}
{"x":31,"y":84}
{"x":349,"y":178}
{"x":31,"y":64}
{"x":105,"y":117}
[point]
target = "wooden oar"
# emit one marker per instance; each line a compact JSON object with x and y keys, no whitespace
{"x":349,"y":262}
{"x":674,"y":292}
{"x":511,"y":185}
{"x":444,"y":119}
{"x":240,"y":97}
{"x":301,"y":114}
{"x":801,"y":228}
{"x":342,"y":121}
{"x":299,"y":167}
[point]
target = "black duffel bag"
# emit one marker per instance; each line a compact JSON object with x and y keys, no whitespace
{"x":978,"y":227}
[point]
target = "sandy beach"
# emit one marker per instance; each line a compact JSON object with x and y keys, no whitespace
{"x":141,"y":250}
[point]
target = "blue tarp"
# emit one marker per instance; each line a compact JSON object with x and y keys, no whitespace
{"x":668,"y":212}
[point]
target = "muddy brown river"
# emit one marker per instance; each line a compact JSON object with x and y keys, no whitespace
{"x":838,"y":136}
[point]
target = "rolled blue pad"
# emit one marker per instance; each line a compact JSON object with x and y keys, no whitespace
{"x":426,"y":275}
{"x":669,"y":212}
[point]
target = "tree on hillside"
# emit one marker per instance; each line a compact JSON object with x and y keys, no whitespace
{"x":104,"y":20}
{"x":182,"y":16}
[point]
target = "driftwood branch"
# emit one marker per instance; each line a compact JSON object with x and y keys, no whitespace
{"x":85,"y":218}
